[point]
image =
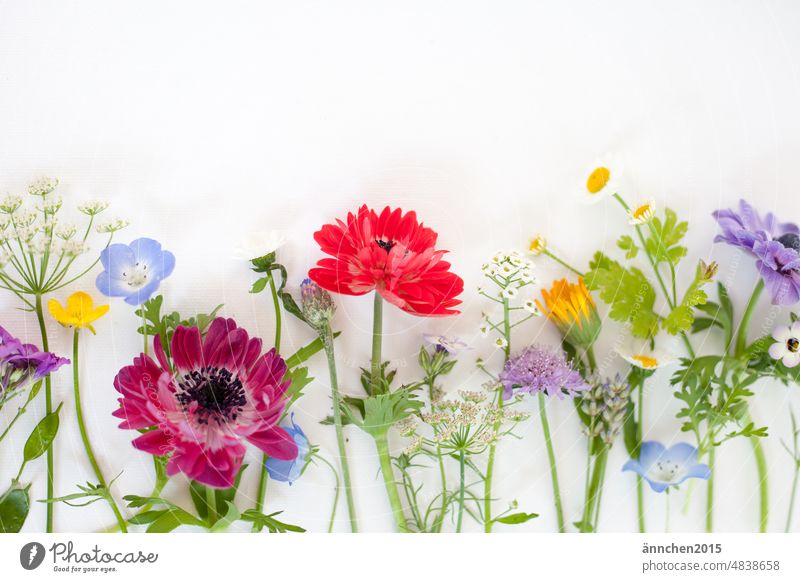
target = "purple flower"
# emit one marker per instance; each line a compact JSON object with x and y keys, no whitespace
{"x":541,"y":370}
{"x":20,"y":363}
{"x":775,"y":245}
{"x":134,"y":271}
{"x":744,"y":228}
{"x":665,"y":467}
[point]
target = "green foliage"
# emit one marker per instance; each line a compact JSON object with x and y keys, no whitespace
{"x":719,"y":315}
{"x":268,"y":265}
{"x":41,"y":437}
{"x":516,"y":518}
{"x":627,"y":291}
{"x":87,"y":494}
{"x":681,"y":318}
{"x":714,"y":391}
{"x":376,"y":414}
{"x":627,"y":244}
{"x":662,"y":242}
{"x":14,"y":508}
{"x":268,"y":522}
{"x":164,"y":326}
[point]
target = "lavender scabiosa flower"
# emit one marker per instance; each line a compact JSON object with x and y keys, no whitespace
{"x":541,"y":370}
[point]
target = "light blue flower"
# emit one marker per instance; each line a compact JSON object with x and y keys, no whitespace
{"x":665,"y":467}
{"x":134,"y":271}
{"x":289,"y":471}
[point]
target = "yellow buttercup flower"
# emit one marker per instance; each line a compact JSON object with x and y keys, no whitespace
{"x":643,"y":213}
{"x":571,"y":307}
{"x":79,"y":312}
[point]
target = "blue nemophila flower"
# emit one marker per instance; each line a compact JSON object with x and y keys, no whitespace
{"x":665,"y":467}
{"x":134,"y":271}
{"x":290,"y":471}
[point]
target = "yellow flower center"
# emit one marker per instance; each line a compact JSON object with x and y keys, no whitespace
{"x":538,"y":245}
{"x":598,"y":180}
{"x":642,"y":212}
{"x":646,"y":361}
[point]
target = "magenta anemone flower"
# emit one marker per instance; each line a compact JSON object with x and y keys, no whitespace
{"x":224,"y":391}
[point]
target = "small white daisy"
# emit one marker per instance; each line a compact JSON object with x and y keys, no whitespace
{"x":643,"y":213}
{"x":601,"y":179}
{"x":500,"y":342}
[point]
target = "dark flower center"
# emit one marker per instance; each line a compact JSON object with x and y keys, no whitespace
{"x":385,"y":245}
{"x":790,"y":240}
{"x":219,"y":395}
{"x":793,"y":344}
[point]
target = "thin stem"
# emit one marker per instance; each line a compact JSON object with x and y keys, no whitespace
{"x":562,"y":263}
{"x":211,"y":503}
{"x":48,"y":402}
{"x":264,"y":475}
{"x":98,"y":473}
{"x":327,"y":337}
{"x":461,"y":491}
{"x":666,"y":513}
{"x":589,"y":519}
{"x":744,"y":325}
{"x":639,"y":480}
{"x":377,"y":338}
{"x":335,"y":495}
{"x":487,"y":484}
{"x":442,"y":474}
{"x":382,"y":444}
{"x":792,"y":498}
{"x":144,"y":330}
{"x":763,"y":483}
{"x":710,"y":491}
{"x":551,"y":457}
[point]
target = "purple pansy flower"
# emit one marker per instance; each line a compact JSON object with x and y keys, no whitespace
{"x":665,"y":467}
{"x":289,"y":471}
{"x":20,"y":363}
{"x":775,"y":245}
{"x":134,"y":271}
{"x":541,"y":370}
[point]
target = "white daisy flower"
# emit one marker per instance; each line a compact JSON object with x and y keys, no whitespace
{"x":500,"y":342}
{"x":538,"y":245}
{"x":647,"y":359}
{"x":643,"y":213}
{"x":601,"y":179}
{"x":787,"y":346}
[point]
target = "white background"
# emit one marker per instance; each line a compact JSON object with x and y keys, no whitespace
{"x":202,"y":121}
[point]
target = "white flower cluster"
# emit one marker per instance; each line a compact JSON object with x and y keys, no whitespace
{"x":509,"y":273}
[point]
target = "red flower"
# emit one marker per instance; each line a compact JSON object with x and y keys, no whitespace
{"x":392,"y":254}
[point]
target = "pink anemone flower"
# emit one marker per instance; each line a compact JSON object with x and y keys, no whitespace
{"x":223,"y":391}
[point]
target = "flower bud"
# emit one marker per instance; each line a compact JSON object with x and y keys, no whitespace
{"x":318,"y":305}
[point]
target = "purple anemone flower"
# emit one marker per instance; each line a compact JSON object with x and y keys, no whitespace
{"x":20,"y":363}
{"x":746,"y":227}
{"x":541,"y":370}
{"x":776,"y":246}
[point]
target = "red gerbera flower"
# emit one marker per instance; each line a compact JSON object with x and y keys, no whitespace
{"x":392,"y":254}
{"x":223,"y":392}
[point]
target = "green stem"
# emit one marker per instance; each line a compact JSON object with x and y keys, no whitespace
{"x":588,"y":521}
{"x":263,"y":477}
{"x":562,"y":263}
{"x":666,"y":512}
{"x":763,"y":483}
{"x":85,"y":437}
{"x":211,"y":503}
{"x":48,"y":400}
{"x":710,"y":491}
{"x":437,"y":527}
{"x":377,"y":339}
{"x":327,"y":337}
{"x":790,"y":513}
{"x":144,"y":331}
{"x":639,"y":480}
{"x":461,"y":491}
{"x":487,"y":484}
{"x":332,"y":520}
{"x":382,"y":444}
{"x":741,"y":336}
{"x":551,"y":457}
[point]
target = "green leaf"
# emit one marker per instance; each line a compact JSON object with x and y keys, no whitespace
{"x":516,"y":518}
{"x":307,"y":351}
{"x":269,"y":522}
{"x":259,"y":285}
{"x":681,"y":317}
{"x":300,"y":379}
{"x":291,"y":306}
{"x":147,"y":516}
{"x":42,"y":436}
{"x":172,"y":518}
{"x":626,"y":243}
{"x":627,"y":291}
{"x":662,"y":242}
{"x":14,"y":508}
{"x":380,"y":412}
{"x":231,"y":515}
